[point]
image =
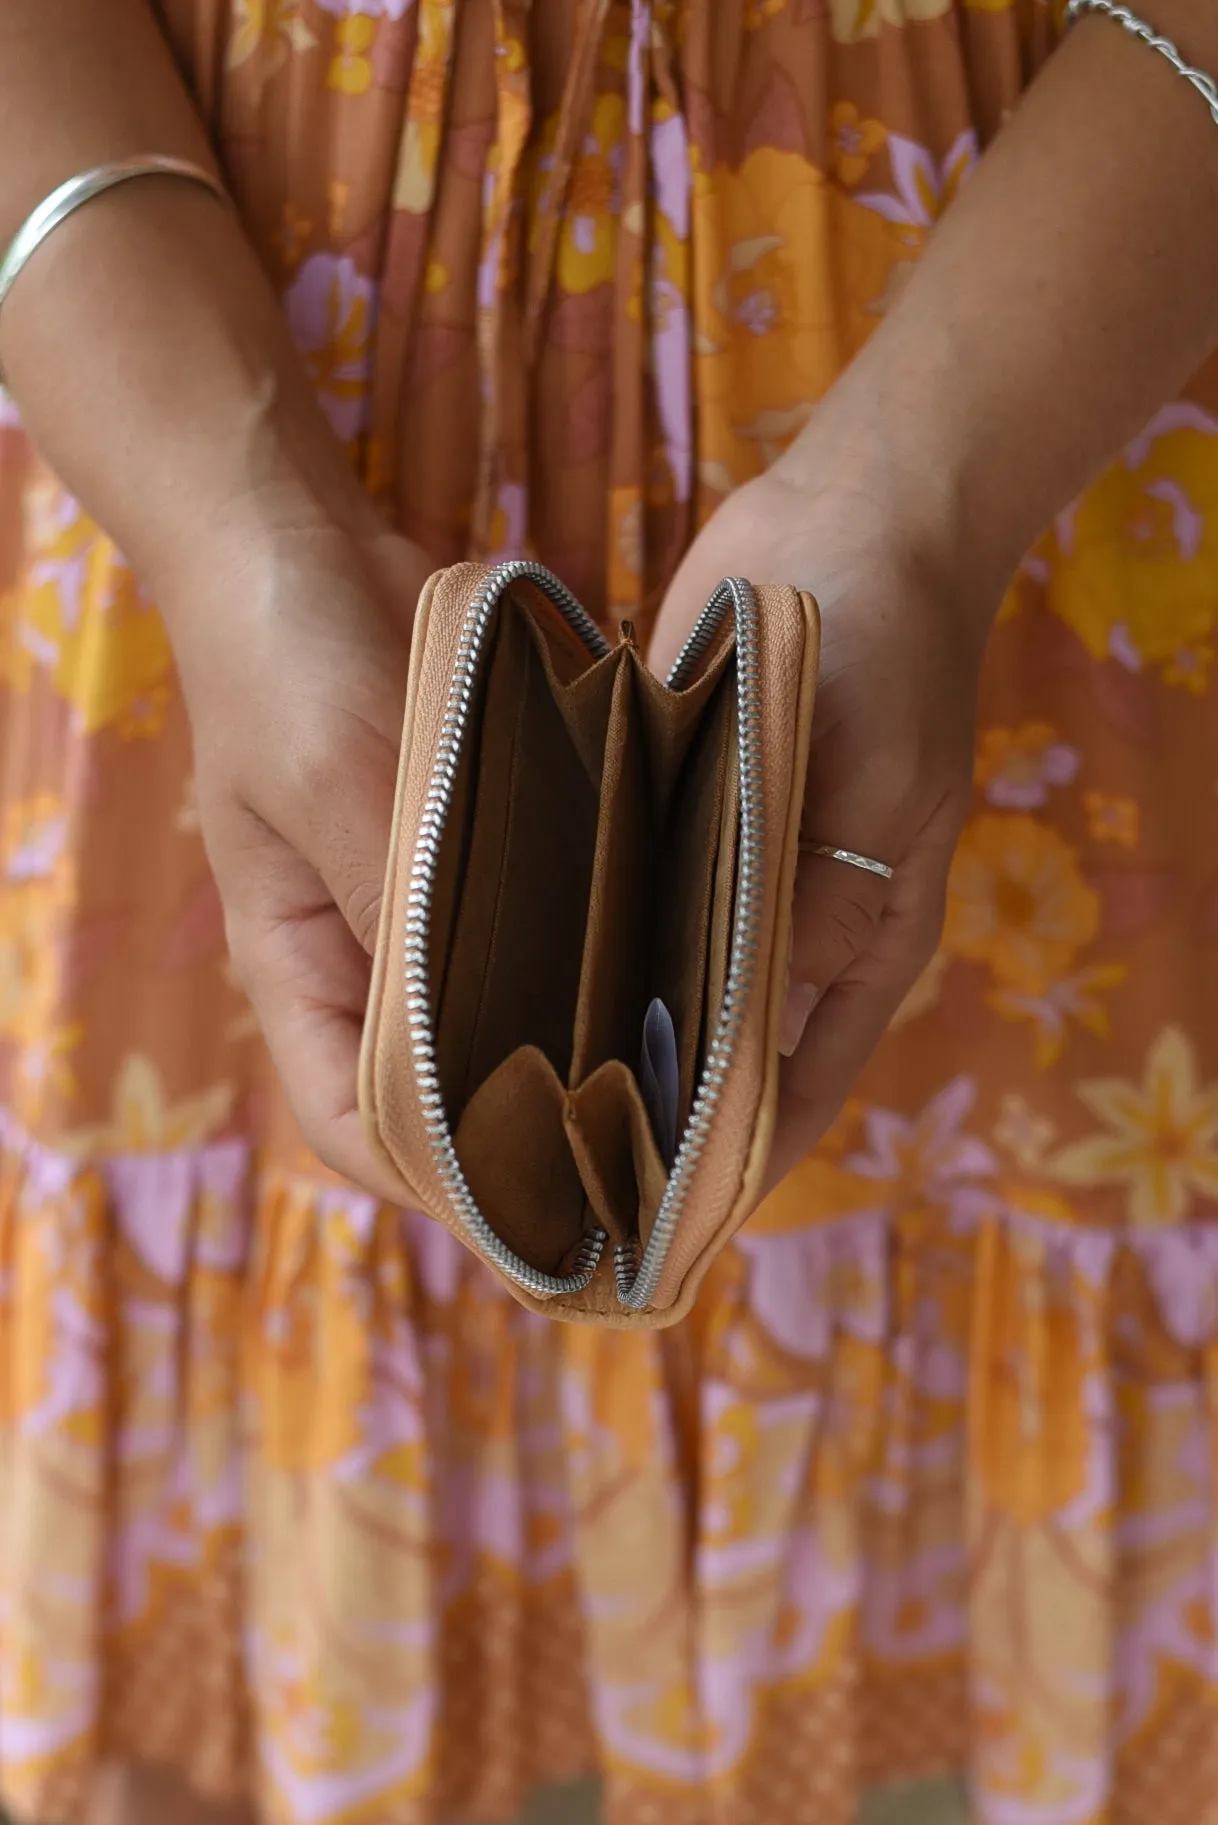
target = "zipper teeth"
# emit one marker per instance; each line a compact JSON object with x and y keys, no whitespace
{"x":637,"y":1273}
{"x":436,"y":807}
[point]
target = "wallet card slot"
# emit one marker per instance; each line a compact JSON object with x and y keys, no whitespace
{"x":689,"y":860}
{"x":583,"y":694}
{"x":621,"y":907}
{"x":513,"y":967}
{"x":671,"y":719}
{"x":517,"y":1160}
{"x":615,"y":1151}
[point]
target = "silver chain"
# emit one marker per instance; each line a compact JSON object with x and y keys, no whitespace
{"x":1205,"y":85}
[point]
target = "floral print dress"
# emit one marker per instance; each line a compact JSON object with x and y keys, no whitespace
{"x":293,"y":1499}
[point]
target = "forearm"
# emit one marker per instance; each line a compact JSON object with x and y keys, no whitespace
{"x":143,"y":343}
{"x":1069,"y":291}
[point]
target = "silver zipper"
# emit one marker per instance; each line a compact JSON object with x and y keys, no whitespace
{"x":636,"y":1278}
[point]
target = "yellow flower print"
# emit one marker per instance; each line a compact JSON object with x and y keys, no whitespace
{"x":34,"y":844}
{"x":1129,"y":568}
{"x":44,"y":1074}
{"x":1018,"y":902}
{"x":1190,"y":668}
{"x":1112,"y":819}
{"x":414,"y":181}
{"x":772,"y":324}
{"x":587,"y":240}
{"x":1031,"y":1364}
{"x":29,"y":976}
{"x":37,"y":885}
{"x":871,"y":267}
{"x":143,"y":1120}
{"x":625,"y":549}
{"x":78,"y":615}
{"x":28,"y":1323}
{"x":1023,"y":1134}
{"x":854,"y":19}
{"x":338,"y":195}
{"x":1016,"y":768}
{"x":1051,"y":1009}
{"x":1042,"y":1206}
{"x":854,"y":141}
{"x":293,"y":235}
{"x":1161,"y":1142}
{"x":350,"y":71}
{"x":313,"y":1354}
{"x":272,"y":27}
{"x":513,"y":55}
{"x":144,"y":718}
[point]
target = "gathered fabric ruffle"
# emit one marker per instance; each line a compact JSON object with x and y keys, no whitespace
{"x":309,"y":1508}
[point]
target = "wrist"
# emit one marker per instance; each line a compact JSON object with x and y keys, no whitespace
{"x":153,"y":366}
{"x":896,"y":431}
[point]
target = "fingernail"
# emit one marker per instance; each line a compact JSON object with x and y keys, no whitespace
{"x":800,"y":1001}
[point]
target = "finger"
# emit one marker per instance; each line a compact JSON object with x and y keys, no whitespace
{"x":315,"y":1049}
{"x":835,"y":918}
{"x":307,"y":977}
{"x":339,"y":816}
{"x":303,"y":961}
{"x":856,"y":1010}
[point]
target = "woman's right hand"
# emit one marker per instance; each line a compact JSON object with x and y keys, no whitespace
{"x":293,"y":654}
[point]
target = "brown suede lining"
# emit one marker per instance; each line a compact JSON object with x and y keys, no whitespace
{"x":512,"y":972}
{"x":588,"y":865}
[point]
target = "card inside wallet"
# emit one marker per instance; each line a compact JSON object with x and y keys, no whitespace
{"x":587,"y":872}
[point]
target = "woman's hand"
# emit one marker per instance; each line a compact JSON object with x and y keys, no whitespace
{"x":891,"y":761}
{"x":293,"y":654}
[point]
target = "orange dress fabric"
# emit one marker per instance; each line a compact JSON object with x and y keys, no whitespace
{"x":293,"y":1499}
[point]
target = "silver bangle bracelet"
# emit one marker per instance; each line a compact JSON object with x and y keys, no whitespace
{"x":69,"y":197}
{"x":1205,"y":85}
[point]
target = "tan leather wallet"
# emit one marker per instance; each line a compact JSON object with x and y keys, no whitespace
{"x":572,"y":1034}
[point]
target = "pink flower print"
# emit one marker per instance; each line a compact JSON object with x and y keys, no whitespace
{"x":926,"y":1158}
{"x":331,"y":308}
{"x":925,"y":185}
{"x":371,"y":9}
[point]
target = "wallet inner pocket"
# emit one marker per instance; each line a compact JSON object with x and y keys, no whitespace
{"x":689,"y":872}
{"x":583,"y":872}
{"x":617,"y":942}
{"x":518,"y":1162}
{"x":512,"y":971}
{"x":615,"y":1149}
{"x":653,"y":909}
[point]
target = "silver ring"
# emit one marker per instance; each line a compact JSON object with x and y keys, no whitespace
{"x":867,"y":863}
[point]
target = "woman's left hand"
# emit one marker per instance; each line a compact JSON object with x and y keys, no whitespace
{"x":891,"y":762}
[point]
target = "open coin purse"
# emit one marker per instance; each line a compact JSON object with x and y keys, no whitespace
{"x":571,"y":1050}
